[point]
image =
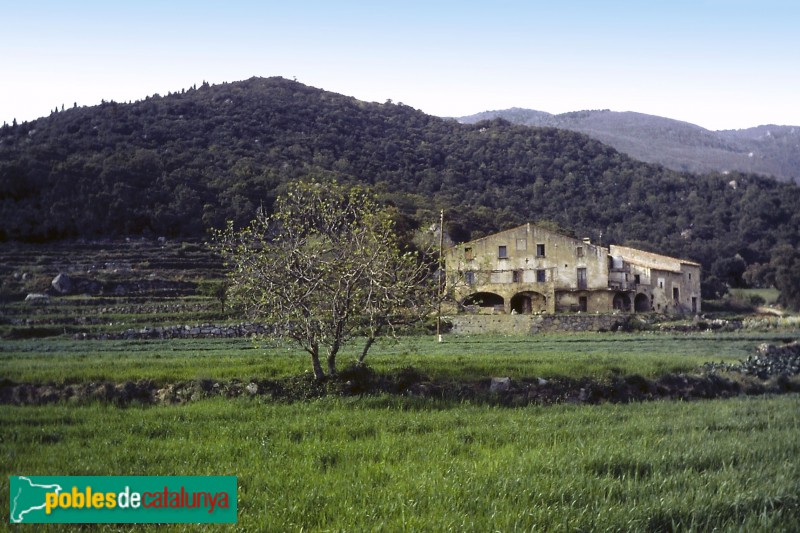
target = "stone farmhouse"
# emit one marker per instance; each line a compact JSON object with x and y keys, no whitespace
{"x":532,"y":270}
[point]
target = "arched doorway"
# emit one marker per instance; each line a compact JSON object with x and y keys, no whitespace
{"x":484,"y":300}
{"x":528,"y":302}
{"x":622,"y":302}
{"x":641,"y":303}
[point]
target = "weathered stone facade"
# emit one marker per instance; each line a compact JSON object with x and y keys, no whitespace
{"x":660,"y":283}
{"x":532,"y":270}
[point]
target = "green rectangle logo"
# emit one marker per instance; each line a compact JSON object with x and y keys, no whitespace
{"x":123,"y":499}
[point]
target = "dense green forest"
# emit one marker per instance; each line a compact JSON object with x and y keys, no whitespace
{"x":180,"y":164}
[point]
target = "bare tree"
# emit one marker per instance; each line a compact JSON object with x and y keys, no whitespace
{"x":326,"y":268}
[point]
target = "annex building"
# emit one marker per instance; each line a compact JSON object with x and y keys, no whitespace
{"x":529,"y":269}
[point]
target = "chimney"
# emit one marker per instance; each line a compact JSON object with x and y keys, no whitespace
{"x":587,"y":240}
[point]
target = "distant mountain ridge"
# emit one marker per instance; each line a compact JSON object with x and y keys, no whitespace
{"x":767,"y":150}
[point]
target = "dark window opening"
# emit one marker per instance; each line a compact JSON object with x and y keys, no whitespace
{"x":637,"y":279}
{"x":516,"y":276}
{"x":583,"y":303}
{"x":469,"y":277}
{"x":540,"y":250}
{"x":541,"y":276}
{"x":502,"y":252}
{"x":468,"y":254}
{"x":580,"y":251}
{"x":582,"y":281}
{"x":675,"y":294}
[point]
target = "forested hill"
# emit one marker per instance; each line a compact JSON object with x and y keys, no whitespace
{"x":767,"y":150}
{"x":179,"y":164}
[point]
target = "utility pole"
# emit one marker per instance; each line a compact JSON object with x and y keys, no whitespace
{"x":441,"y":276}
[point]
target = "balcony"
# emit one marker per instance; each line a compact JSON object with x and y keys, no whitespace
{"x":622,"y":285}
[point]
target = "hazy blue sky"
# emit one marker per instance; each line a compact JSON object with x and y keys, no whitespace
{"x":717,"y":63}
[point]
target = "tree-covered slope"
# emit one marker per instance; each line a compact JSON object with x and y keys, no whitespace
{"x":767,"y":150}
{"x":179,"y":164}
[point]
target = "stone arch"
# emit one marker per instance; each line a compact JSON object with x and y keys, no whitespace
{"x":641,"y":303}
{"x":484,"y":300}
{"x":622,"y":302}
{"x":527,"y":302}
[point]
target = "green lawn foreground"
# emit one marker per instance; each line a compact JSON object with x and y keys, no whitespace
{"x":398,"y":464}
{"x":596,"y":355}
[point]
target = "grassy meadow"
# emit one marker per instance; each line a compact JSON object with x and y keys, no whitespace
{"x":596,"y":355}
{"x":395,"y":464}
{"x":386,"y":463}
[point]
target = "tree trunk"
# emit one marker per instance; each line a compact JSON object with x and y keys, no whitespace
{"x":367,"y":346}
{"x":332,"y":351}
{"x":318,"y":372}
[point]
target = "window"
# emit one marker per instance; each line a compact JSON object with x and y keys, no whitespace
{"x":675,"y":294}
{"x":637,"y":279}
{"x":468,"y":254}
{"x":469,"y":276}
{"x":583,"y":303}
{"x":579,"y":251}
{"x":660,"y":283}
{"x":502,"y":252}
{"x":582,"y":283}
{"x":541,"y":275}
{"x":690,"y":276}
{"x":516,"y":276}
{"x":540,"y":250}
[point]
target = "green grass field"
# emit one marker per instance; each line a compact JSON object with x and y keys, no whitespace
{"x":392,"y":464}
{"x":596,"y":355}
{"x":770,"y":296}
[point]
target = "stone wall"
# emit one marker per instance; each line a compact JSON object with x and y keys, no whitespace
{"x":532,"y":324}
{"x":772,"y":322}
{"x":182,"y":332}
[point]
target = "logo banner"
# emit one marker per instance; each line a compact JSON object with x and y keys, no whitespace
{"x":123,"y":499}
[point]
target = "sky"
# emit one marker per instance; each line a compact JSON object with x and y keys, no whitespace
{"x":720,"y":64}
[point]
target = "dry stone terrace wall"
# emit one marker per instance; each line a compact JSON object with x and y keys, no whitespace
{"x":181,"y":332}
{"x":772,"y":322}
{"x":532,"y":324}
{"x":503,"y":324}
{"x":769,"y":360}
{"x":461,"y":325}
